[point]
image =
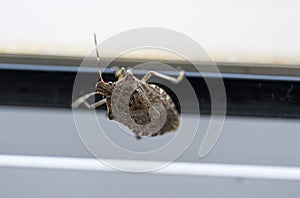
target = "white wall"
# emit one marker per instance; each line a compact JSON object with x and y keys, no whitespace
{"x":255,"y":31}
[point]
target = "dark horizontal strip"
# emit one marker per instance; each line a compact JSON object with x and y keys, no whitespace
{"x":247,"y":95}
{"x":54,"y":68}
{"x":224,"y":67}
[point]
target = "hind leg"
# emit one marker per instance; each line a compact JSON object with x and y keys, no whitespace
{"x":163,"y":76}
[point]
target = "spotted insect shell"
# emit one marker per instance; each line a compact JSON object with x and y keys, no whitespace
{"x":146,"y":109}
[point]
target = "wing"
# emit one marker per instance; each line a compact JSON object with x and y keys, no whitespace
{"x":141,"y":115}
{"x":140,"y":103}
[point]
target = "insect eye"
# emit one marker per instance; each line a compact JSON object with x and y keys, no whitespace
{"x":110,"y":83}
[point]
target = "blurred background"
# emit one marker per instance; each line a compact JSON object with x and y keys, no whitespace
{"x":231,"y":31}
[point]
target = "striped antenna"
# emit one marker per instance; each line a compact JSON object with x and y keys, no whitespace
{"x":98,"y":57}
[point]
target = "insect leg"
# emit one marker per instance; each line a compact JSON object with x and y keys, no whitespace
{"x":163,"y":76}
{"x":82,"y":99}
{"x":120,"y":74}
{"x":95,"y":105}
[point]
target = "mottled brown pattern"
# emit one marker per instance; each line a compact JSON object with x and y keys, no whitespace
{"x":172,"y":121}
{"x":141,"y":97}
{"x":108,"y":105}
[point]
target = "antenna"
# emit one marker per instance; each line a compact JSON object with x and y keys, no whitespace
{"x":98,"y":57}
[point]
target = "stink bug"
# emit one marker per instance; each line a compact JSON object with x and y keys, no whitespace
{"x":146,"y":109}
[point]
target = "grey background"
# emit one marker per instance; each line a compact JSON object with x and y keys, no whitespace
{"x":52,"y":132}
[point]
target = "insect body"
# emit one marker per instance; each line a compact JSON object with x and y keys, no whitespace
{"x":144,"y":108}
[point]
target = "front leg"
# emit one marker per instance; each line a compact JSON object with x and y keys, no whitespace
{"x":120,"y":74}
{"x":95,"y":105}
{"x":82,"y":99}
{"x":163,"y":76}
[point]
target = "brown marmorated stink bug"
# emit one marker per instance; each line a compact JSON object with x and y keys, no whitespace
{"x":146,"y":109}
